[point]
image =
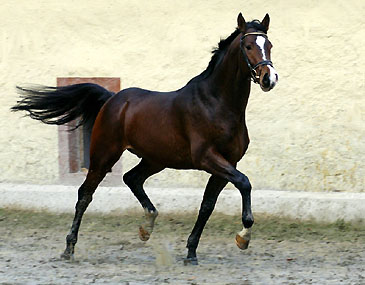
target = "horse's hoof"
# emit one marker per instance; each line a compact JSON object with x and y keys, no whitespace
{"x":143,"y":234}
{"x":67,"y":256}
{"x":190,"y":261}
{"x":241,"y":242}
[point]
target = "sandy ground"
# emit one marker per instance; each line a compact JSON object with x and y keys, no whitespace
{"x":109,"y":251}
{"x":321,"y":206}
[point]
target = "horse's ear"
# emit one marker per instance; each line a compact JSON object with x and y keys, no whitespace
{"x":241,"y":23}
{"x":266,"y":21}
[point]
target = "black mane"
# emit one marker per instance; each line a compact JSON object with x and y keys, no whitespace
{"x":219,"y":51}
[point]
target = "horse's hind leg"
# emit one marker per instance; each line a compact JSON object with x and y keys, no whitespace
{"x":85,"y":193}
{"x":134,"y":180}
{"x":213,"y":189}
{"x":100,"y":163}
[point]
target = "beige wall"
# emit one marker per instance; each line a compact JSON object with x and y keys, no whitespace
{"x":307,"y":134}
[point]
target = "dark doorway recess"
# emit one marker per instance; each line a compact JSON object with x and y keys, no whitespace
{"x":74,"y":146}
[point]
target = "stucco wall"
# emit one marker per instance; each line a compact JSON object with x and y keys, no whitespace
{"x":306,"y":134}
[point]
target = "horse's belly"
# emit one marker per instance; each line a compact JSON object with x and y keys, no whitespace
{"x":158,"y":139}
{"x":165,"y":155}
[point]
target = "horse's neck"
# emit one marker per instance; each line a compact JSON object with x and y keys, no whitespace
{"x":231,"y":83}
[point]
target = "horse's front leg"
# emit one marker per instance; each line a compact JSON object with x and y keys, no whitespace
{"x":216,"y":164}
{"x":214,"y":187}
{"x":243,"y":237}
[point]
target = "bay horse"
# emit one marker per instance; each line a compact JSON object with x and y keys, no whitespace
{"x":200,"y":126}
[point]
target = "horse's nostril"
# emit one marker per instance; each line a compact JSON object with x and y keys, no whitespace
{"x":266,"y":80}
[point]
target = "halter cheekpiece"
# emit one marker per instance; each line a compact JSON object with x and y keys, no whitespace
{"x":253,"y":73}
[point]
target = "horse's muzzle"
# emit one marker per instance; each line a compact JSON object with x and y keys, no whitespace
{"x":269,"y":79}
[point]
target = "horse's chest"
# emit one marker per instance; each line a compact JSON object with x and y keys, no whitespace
{"x":233,"y":142}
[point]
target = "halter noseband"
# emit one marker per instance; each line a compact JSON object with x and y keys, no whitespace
{"x":253,"y":73}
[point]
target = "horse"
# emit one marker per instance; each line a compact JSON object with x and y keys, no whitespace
{"x":200,"y":126}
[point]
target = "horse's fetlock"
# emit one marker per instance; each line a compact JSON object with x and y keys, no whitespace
{"x":192,"y":242}
{"x":247,"y":221}
{"x":71,"y":239}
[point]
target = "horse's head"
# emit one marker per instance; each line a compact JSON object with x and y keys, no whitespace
{"x":255,"y":47}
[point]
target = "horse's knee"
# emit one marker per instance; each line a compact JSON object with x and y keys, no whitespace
{"x":243,"y":184}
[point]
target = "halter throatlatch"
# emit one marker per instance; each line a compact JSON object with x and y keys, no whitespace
{"x":253,"y":72}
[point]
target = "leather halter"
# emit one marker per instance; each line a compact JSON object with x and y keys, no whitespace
{"x":253,"y":72}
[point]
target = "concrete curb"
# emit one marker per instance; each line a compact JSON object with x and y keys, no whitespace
{"x":327,"y":207}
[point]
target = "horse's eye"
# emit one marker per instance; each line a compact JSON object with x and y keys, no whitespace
{"x":248,"y":47}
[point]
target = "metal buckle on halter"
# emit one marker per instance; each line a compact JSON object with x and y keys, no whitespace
{"x":254,"y":77}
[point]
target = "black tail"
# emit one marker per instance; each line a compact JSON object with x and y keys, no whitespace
{"x":60,"y":105}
